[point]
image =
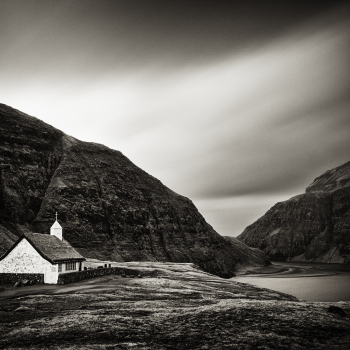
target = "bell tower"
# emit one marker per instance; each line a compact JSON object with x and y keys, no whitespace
{"x":56,"y":229}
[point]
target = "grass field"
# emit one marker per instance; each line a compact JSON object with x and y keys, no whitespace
{"x":180,"y":307}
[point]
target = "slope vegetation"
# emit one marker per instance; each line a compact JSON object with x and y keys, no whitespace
{"x":108,"y":207}
{"x":314,"y":226}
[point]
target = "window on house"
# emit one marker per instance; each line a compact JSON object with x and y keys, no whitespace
{"x":59,"y":267}
{"x":71,"y":266}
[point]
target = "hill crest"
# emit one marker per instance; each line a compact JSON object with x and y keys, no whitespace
{"x":108,"y":207}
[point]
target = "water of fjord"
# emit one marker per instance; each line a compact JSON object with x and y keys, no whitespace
{"x":306,"y":281}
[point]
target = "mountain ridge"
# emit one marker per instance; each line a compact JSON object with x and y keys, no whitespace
{"x":313,"y":226}
{"x":108,"y":207}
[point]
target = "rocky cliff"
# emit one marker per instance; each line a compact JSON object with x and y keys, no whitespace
{"x":108,"y":207}
{"x":314,"y":226}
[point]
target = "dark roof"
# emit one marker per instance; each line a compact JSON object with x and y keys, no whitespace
{"x":49,"y":247}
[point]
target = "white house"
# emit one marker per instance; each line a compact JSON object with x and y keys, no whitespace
{"x":44,"y":254}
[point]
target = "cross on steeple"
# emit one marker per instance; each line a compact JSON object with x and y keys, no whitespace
{"x":56,"y":215}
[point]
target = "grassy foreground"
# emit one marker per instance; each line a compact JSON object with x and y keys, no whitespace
{"x":174,"y":306}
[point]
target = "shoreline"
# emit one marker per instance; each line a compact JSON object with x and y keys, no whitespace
{"x":295,"y":270}
{"x":306,"y":281}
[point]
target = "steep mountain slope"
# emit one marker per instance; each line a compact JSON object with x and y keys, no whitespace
{"x":108,"y":207}
{"x":256,"y":256}
{"x":314,"y":226}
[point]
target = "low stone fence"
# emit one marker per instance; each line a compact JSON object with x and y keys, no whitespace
{"x":82,"y":275}
{"x":18,"y":277}
{"x":72,"y":277}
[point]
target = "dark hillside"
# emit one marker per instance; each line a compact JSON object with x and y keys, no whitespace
{"x":314,"y":226}
{"x":108,"y":207}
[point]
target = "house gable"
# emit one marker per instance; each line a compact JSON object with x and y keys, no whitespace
{"x":23,"y":257}
{"x":49,"y":248}
{"x":33,"y":245}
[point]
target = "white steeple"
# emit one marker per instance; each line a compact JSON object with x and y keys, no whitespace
{"x":56,"y":229}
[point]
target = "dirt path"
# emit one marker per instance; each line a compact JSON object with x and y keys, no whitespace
{"x":94,"y":285}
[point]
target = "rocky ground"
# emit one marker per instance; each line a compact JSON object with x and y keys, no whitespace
{"x":174,"y":306}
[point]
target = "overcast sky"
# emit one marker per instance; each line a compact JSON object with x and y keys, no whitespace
{"x":234,"y":104}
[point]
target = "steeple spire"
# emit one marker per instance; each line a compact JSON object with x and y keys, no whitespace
{"x":56,"y":229}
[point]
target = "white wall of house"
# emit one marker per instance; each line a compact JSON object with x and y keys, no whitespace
{"x":51,"y":275}
{"x":24,"y":259}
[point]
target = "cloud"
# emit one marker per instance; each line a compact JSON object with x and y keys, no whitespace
{"x":231,"y":215}
{"x":237,"y":104}
{"x":256,"y":122}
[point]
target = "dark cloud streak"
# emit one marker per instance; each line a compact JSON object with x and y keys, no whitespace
{"x":134,"y":32}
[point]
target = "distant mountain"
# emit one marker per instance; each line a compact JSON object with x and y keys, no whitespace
{"x":314,"y":226}
{"x":248,"y":256}
{"x":108,"y":207}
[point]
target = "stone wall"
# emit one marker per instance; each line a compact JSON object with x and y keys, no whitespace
{"x":17,"y":277}
{"x":82,"y":275}
{"x":23,"y":259}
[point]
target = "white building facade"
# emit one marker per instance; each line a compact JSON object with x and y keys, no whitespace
{"x":36,"y":253}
